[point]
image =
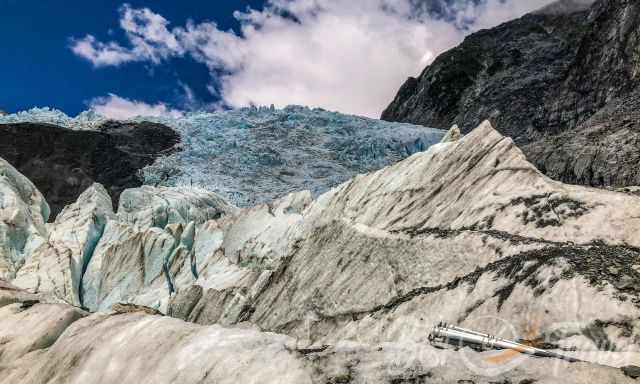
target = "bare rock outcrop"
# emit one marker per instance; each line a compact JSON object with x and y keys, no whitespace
{"x":63,"y":163}
{"x":562,"y":82}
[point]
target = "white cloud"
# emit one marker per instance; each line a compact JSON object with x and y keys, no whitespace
{"x":118,"y":108}
{"x":344,"y":55}
{"x":101,"y":54}
{"x":147,"y":33}
{"x":494,"y":12}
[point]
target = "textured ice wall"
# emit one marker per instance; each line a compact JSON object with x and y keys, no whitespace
{"x":254,"y":155}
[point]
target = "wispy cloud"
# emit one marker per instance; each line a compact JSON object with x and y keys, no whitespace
{"x":119,"y":108}
{"x":342,"y":55}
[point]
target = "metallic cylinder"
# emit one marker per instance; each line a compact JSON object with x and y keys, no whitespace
{"x":465,"y":337}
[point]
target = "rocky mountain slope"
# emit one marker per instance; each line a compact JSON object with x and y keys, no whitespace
{"x":63,"y":163}
{"x":343,"y":288}
{"x":562,"y":82}
{"x":249,"y":156}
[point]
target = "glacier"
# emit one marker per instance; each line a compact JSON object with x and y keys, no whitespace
{"x":343,"y":288}
{"x":257,"y":154}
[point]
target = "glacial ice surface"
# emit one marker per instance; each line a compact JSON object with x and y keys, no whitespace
{"x":85,"y":120}
{"x":254,"y":155}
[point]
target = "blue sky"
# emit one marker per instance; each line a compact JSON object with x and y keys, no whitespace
{"x":38,"y":69}
{"x":158,"y":57}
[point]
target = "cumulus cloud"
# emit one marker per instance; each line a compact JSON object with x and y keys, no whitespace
{"x":119,"y":108}
{"x":148,"y":36}
{"x":101,"y":54}
{"x":344,"y":55}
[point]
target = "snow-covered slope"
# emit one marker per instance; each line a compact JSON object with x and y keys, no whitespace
{"x":341,"y":289}
{"x":255,"y":155}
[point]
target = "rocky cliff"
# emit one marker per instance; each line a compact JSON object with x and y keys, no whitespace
{"x":562,"y":82}
{"x":339,"y":289}
{"x":63,"y":163}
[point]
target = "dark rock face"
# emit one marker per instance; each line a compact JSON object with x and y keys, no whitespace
{"x":631,"y":371}
{"x":63,"y":163}
{"x":563,"y":82}
{"x":603,"y":151}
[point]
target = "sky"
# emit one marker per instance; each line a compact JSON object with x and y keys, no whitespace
{"x":165,"y":57}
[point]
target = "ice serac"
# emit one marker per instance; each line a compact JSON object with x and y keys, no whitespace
{"x":129,"y":262}
{"x":236,"y":258}
{"x":147,"y":252}
{"x":148,"y":207}
{"x":23,"y":214}
{"x":58,"y":264}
